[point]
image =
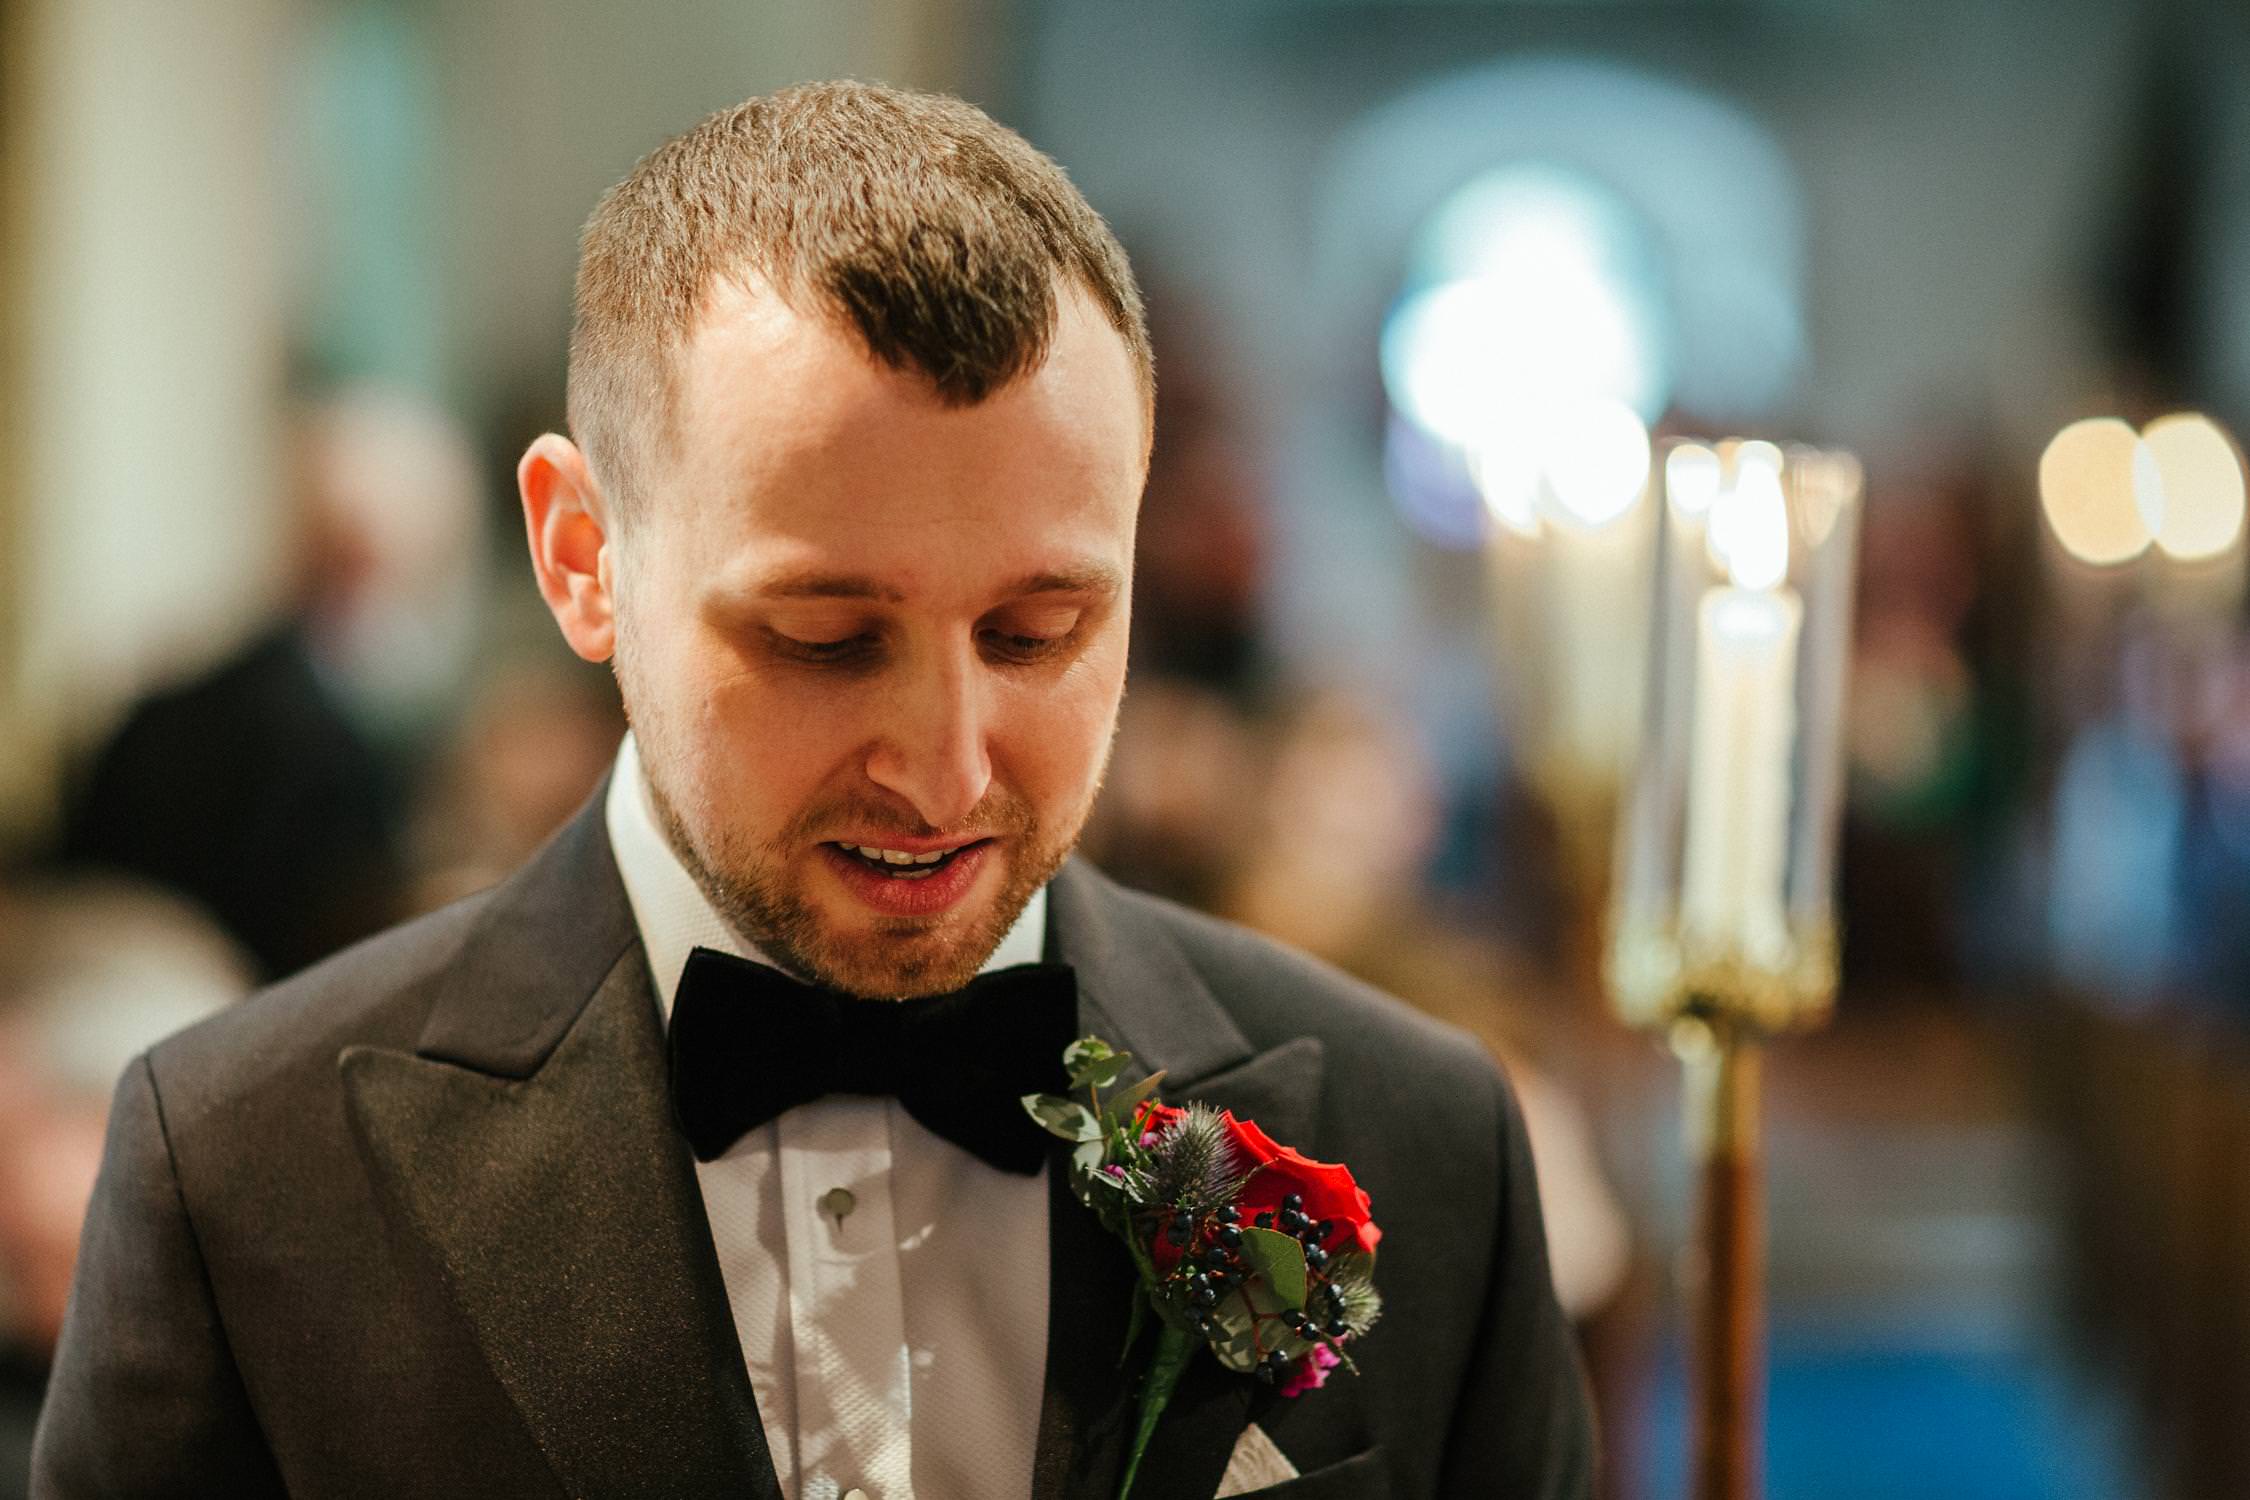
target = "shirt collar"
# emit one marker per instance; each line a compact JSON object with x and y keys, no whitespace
{"x":674,"y":915}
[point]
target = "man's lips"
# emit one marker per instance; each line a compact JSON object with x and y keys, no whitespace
{"x":908,"y":888}
{"x":908,"y":845}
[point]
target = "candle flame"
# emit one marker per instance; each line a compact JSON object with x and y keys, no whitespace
{"x":1749,"y":529}
{"x":1691,"y":478}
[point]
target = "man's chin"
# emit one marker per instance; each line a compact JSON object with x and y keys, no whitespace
{"x":851,"y":948}
{"x":893,"y":958}
{"x":827,"y":924}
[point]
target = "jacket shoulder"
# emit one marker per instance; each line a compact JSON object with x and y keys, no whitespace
{"x":1275,"y":993}
{"x":378,"y":991}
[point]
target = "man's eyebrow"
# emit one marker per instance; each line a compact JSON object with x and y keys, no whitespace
{"x":812,"y":585}
{"x":1089,"y":578}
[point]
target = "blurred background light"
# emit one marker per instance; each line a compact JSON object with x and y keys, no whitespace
{"x":1597,"y":461}
{"x":2087,"y":488}
{"x":2195,"y":474}
{"x":1531,"y":281}
{"x":1533,"y":338}
{"x":1507,"y":464}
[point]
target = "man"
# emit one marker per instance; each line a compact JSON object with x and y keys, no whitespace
{"x":860,"y":390}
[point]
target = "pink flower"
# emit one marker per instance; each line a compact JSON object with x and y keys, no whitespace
{"x":1311,"y":1372}
{"x":1114,"y":1170}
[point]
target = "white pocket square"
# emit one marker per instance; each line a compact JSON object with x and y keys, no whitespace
{"x":1256,"y":1464}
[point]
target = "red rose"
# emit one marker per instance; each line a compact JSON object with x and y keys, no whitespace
{"x":1327,"y":1188}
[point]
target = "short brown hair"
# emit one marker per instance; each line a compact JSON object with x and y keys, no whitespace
{"x":938,"y":233}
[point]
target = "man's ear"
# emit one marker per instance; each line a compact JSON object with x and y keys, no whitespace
{"x":565,"y":522}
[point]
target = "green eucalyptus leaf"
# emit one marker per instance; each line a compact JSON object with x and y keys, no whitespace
{"x":1084,"y":1054}
{"x":1280,"y":1263}
{"x":1085,"y":1050}
{"x":1041,"y":1106}
{"x":1119,"y":1108}
{"x":1232,"y":1339}
{"x":1087,"y":1156}
{"x":1102,"y":1073}
{"x":1064,"y":1117}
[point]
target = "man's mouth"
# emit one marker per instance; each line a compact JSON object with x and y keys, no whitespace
{"x":905,"y":864}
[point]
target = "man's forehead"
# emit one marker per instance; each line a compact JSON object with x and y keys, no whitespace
{"x":794,"y":436}
{"x":750,"y":344}
{"x":756,"y":351}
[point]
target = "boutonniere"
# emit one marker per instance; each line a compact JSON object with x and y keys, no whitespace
{"x":1245,"y":1247}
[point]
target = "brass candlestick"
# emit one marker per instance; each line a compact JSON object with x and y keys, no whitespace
{"x":1721,"y":927}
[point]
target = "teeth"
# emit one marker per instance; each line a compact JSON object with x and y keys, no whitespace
{"x":895,"y":856}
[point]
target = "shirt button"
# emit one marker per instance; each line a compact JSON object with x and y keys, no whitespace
{"x":923,"y":1359}
{"x":855,"y":1495}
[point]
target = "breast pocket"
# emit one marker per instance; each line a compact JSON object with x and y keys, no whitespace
{"x":1360,"y":1477}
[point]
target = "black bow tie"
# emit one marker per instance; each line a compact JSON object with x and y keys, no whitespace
{"x":748,"y":1042}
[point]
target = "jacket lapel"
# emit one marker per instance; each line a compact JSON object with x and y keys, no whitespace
{"x":1138,"y":991}
{"x":527,"y":1146}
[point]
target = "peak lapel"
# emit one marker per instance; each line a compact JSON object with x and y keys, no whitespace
{"x":527,"y":1146}
{"x":1138,"y":990}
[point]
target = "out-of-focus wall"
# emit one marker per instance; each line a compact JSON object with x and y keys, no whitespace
{"x":1959,"y":166}
{"x":147,"y":323}
{"x":546,"y":105}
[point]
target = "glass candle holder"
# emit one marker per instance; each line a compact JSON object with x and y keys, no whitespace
{"x":1722,"y":909}
{"x":1568,"y":554}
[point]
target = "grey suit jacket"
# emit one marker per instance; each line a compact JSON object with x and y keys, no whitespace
{"x":418,"y":1222}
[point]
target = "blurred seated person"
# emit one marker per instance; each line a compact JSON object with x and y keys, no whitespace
{"x":270,"y":788}
{"x":1340,"y":825}
{"x":535,"y":742}
{"x":92,"y":972}
{"x":1180,"y":798}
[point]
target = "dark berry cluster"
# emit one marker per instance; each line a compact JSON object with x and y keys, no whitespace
{"x":1323,"y":1301}
{"x":1213,"y":1265}
{"x":1213,"y":1269}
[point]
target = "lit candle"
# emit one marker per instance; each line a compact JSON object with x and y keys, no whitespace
{"x":1596,"y":582}
{"x":1593,"y":482}
{"x":1734,"y":903}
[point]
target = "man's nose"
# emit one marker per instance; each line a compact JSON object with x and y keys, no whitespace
{"x":933,"y":750}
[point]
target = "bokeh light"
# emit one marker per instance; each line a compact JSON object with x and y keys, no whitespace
{"x":1597,"y":461}
{"x":1532,"y":341}
{"x":1584,"y":464}
{"x":2194,"y":473}
{"x":2087,"y":488}
{"x":1507,"y":463}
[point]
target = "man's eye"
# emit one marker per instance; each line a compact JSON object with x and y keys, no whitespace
{"x":1009,"y":646}
{"x":848,"y":648}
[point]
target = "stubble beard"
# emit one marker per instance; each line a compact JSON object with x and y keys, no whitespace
{"x":749,"y":885}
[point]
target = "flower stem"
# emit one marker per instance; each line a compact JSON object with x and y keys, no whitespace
{"x":1174,"y":1348}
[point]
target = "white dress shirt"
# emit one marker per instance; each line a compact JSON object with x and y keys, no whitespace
{"x":900,"y":1349}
